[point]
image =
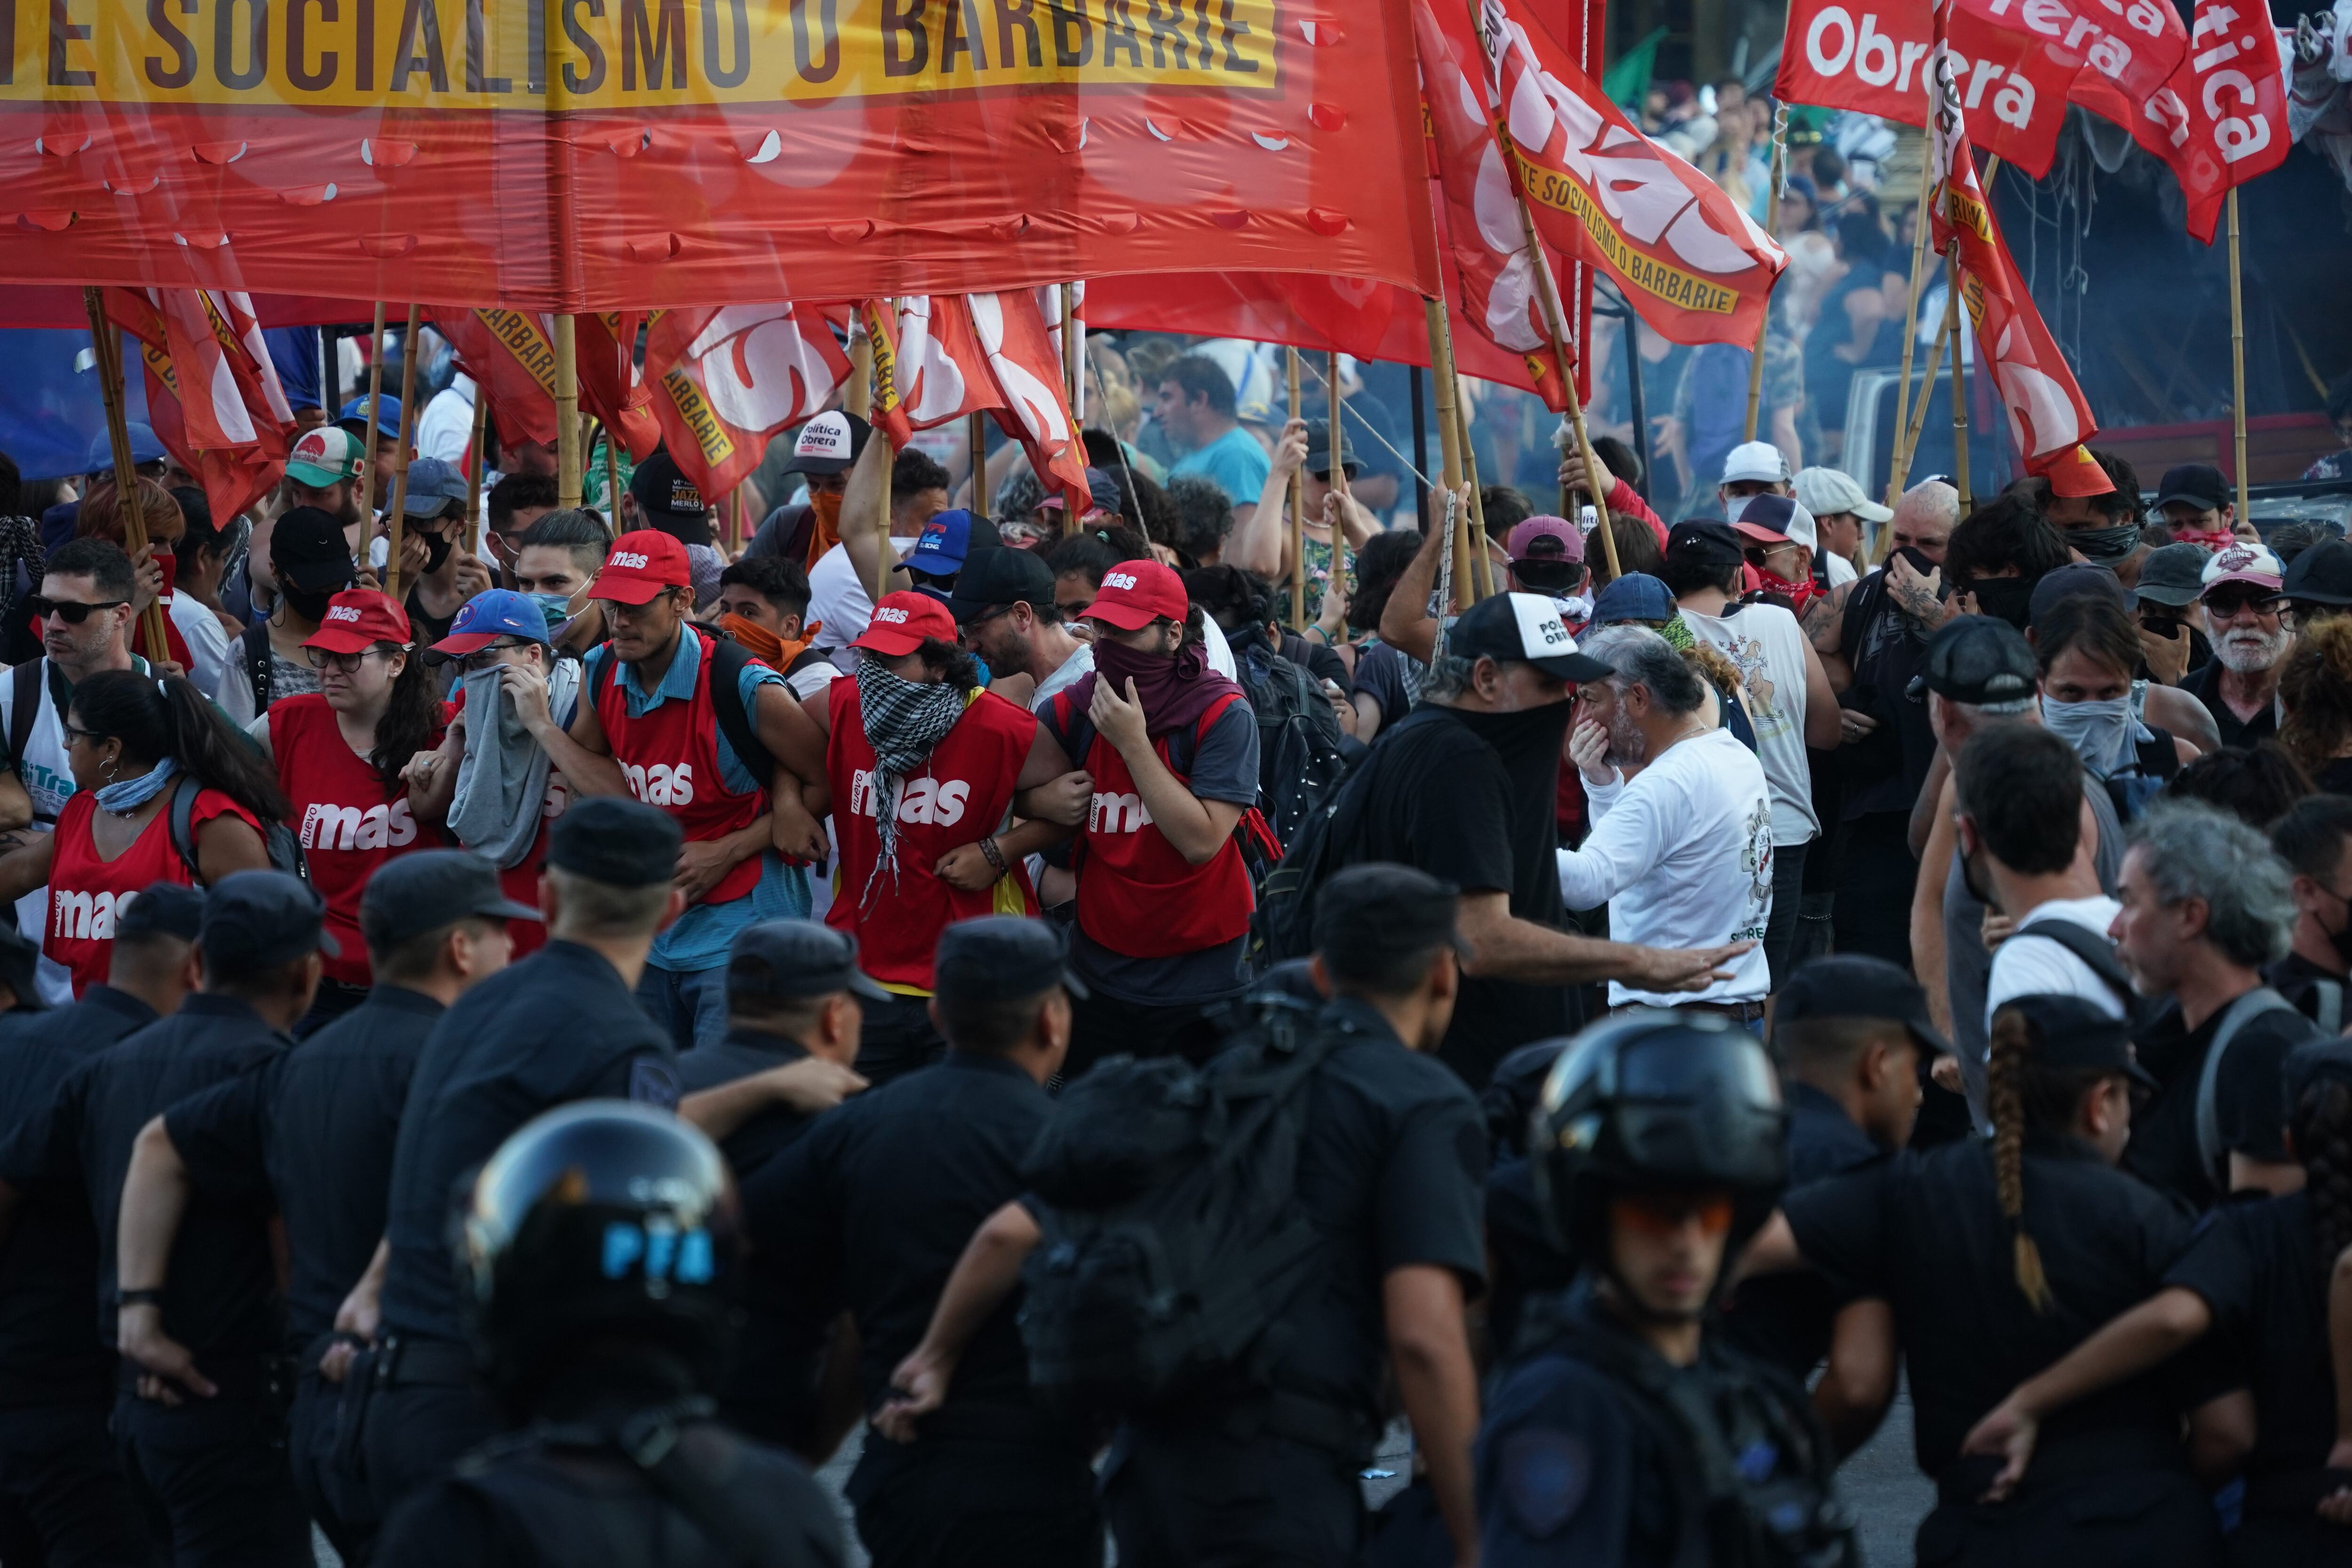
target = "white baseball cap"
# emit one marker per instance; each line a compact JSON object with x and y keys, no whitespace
{"x":1823,"y":491}
{"x":1756,"y":460}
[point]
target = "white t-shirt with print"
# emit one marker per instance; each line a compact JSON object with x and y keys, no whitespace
{"x":1683,"y":856}
{"x":2028,"y":965}
{"x":1765,"y":643}
{"x":49,"y":778}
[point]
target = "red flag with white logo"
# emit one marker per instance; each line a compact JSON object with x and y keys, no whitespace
{"x":1692,"y":264}
{"x":512,"y":358}
{"x":726,"y":380}
{"x":2222,"y":119}
{"x":2126,"y":50}
{"x":929,"y":368}
{"x":213,"y":404}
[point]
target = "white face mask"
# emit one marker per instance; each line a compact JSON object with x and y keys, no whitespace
{"x":2100,"y":732}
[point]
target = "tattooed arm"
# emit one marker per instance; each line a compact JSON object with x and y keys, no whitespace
{"x":1824,"y":623}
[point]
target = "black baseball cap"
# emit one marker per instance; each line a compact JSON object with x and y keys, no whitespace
{"x":788,"y":960}
{"x":308,"y":549}
{"x":2069,"y":1032}
{"x":257,"y":920}
{"x":1318,"y":450}
{"x":1001,"y":958}
{"x":165,"y":909}
{"x":20,"y":966}
{"x":1979,"y":661}
{"x":2174,"y":575}
{"x":1856,"y":985}
{"x":1522,"y":627}
{"x":2074,"y":580}
{"x":671,"y":501}
{"x":993,"y":578}
{"x":431,"y":889}
{"x":620,"y":843}
{"x":1380,"y":909}
{"x":2199,"y":484}
{"x":2321,"y":574}
{"x":1706,"y":542}
{"x":828,"y":444}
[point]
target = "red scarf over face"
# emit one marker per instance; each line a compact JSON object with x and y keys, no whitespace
{"x":1175,"y":691}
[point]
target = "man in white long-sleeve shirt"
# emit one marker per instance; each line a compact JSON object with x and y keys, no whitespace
{"x":1681,"y":851}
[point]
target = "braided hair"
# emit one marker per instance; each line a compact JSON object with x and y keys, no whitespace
{"x":2005,"y":1069}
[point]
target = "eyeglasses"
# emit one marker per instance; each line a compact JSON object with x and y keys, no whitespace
{"x":488,"y":655}
{"x":2228,"y":607}
{"x":73,"y":612}
{"x":73,"y":731}
{"x":347,"y":663}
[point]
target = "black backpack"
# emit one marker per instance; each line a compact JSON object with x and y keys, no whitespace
{"x":1173,"y":1235}
{"x":285,"y":849}
{"x":1301,"y":759}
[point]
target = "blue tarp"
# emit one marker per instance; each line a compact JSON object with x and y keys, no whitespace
{"x":51,"y":409}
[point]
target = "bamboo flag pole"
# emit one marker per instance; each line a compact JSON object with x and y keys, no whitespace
{"x":1920,"y":224}
{"x":977,"y":434}
{"x":1449,"y":432}
{"x":399,"y":453}
{"x":375,"y":395}
{"x":568,"y":469}
{"x":883,"y":555}
{"x":1478,"y":569}
{"x":480,"y":466}
{"x":2237,"y":359}
{"x":1556,"y":320}
{"x":612,"y":479}
{"x":1336,"y":477}
{"x":1771,"y":223}
{"x":1069,"y":351}
{"x":106,"y":348}
{"x":1960,"y":379}
{"x":1298,"y":516}
{"x":1907,"y":439}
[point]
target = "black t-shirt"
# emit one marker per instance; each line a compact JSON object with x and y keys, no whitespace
{"x":48,"y":1265}
{"x":1390,"y":1172}
{"x":746,"y":1053}
{"x":2249,"y":1098}
{"x":1473,"y":798}
{"x":220,"y":1295}
{"x":558,"y":1027}
{"x":1785,"y":1318}
{"x":1380,"y":674}
{"x":311,"y":1130}
{"x":1925,"y":1232}
{"x":873,"y":1205}
{"x":1886,"y":772}
{"x":2205,"y":685}
{"x":2256,"y":1265}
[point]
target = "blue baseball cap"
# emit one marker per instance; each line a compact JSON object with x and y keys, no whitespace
{"x":1635,"y":597}
{"x":946,"y":541}
{"x":145,"y":449}
{"x":431,"y":486}
{"x":488,"y":616}
{"x":387,"y":415}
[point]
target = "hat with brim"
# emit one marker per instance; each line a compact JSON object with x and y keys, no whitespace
{"x":1134,"y":593}
{"x":357,"y":619}
{"x":2173,"y":575}
{"x":903,"y":622}
{"x":828,"y":444}
{"x":1525,"y":628}
{"x":643,"y":565}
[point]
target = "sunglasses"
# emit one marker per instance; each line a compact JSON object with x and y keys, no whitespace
{"x":73,"y":612}
{"x":1664,"y":1214}
{"x":346,"y":662}
{"x":1547,"y":574}
{"x":2229,"y":607}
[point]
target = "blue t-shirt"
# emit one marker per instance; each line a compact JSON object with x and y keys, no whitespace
{"x":1233,"y":461}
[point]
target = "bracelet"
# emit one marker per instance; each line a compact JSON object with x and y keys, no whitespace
{"x":995,"y":857}
{"x":148,"y":1297}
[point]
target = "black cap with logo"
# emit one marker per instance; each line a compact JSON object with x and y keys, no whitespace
{"x":1980,"y":661}
{"x":1525,"y":626}
{"x":671,"y":501}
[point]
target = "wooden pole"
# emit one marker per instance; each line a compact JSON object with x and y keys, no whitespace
{"x":1338,"y":477}
{"x":478,"y":467}
{"x":1921,"y":222}
{"x":1555,"y":321}
{"x":1449,"y":435}
{"x":376,"y":391}
{"x":2237,"y":360}
{"x":1478,"y":568}
{"x":106,"y":348}
{"x":1070,"y":353}
{"x":612,"y":478}
{"x":400,"y":454}
{"x":1906,"y":440}
{"x":568,"y":470}
{"x":1297,"y":517}
{"x":1960,"y":379}
{"x":977,"y":433}
{"x":1764,"y":326}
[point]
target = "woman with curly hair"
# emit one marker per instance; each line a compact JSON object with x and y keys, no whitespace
{"x":2315,"y":694}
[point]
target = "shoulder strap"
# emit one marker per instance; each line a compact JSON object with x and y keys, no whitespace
{"x":256,"y":664}
{"x":2096,"y":951}
{"x":2243,"y":1011}
{"x":2330,"y":1018}
{"x":2158,"y":758}
{"x":182,"y":811}
{"x":728,"y":660}
{"x":25,"y":699}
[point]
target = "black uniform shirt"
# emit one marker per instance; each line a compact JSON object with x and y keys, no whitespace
{"x":2249,"y":1098}
{"x":2256,"y":1265}
{"x":312,"y":1131}
{"x":874,"y":1204}
{"x":48,"y":1265}
{"x":1924,"y":1231}
{"x":220,"y":1298}
{"x":558,"y":1027}
{"x":1785,"y":1318}
{"x":744,"y":1053}
{"x":1391,"y":1171}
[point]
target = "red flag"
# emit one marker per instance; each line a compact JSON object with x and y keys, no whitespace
{"x":1689,"y":260}
{"x":2049,"y":419}
{"x":512,"y":357}
{"x":209,"y":401}
{"x":2128,"y":48}
{"x":1496,"y":290}
{"x":604,"y":348}
{"x":1027,"y":374}
{"x":2222,"y":119}
{"x":928,"y":369}
{"x":725,"y":379}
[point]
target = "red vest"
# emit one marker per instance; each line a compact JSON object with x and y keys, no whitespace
{"x":88,"y":895}
{"x":1137,"y":893}
{"x":961,"y":797}
{"x":670,"y":755}
{"x":348,"y":821}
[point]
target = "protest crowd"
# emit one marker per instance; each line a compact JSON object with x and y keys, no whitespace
{"x":1119,"y":932}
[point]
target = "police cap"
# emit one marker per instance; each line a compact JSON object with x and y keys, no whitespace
{"x":256,"y":921}
{"x":1001,"y":958}
{"x":2069,"y":1032}
{"x":787,"y":961}
{"x":620,"y":843}
{"x":429,"y":889}
{"x":166,"y":908}
{"x":1856,"y":985}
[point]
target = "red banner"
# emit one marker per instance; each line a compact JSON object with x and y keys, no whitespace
{"x":212,"y":397}
{"x":605,"y":349}
{"x":512,"y":358}
{"x":554,"y":154}
{"x":2222,"y":119}
{"x":1029,"y":402}
{"x":2126,"y":49}
{"x":723,"y":382}
{"x":1689,"y":261}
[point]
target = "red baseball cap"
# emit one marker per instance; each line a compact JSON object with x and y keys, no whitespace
{"x":359,"y":618}
{"x":643,"y":563}
{"x":1134,"y":593}
{"x":901,"y":621}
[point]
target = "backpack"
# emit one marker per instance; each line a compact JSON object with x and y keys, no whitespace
{"x":2155,"y":762}
{"x":1300,"y":761}
{"x":255,"y":647}
{"x":2215,"y":1159}
{"x":1173,"y":1235}
{"x":727,"y":659}
{"x":2098,"y":955}
{"x":285,"y":849}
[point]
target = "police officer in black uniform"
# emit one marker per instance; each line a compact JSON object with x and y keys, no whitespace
{"x":596,"y":1255}
{"x":63,"y":1497}
{"x":1632,"y":1436}
{"x":871,"y":1209}
{"x":793,"y":991}
{"x":1999,"y":1257}
{"x":200,"y":1421}
{"x":310,"y":1133}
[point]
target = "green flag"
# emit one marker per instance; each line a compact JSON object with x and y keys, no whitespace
{"x":1629,"y":78}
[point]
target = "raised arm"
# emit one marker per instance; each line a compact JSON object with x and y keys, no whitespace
{"x":1260,"y":543}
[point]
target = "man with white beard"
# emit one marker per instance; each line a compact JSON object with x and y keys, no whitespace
{"x":1681,"y":846}
{"x":2243,"y":604}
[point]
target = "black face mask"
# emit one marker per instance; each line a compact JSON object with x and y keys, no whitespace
{"x":1531,"y":734}
{"x":2105,"y":544}
{"x":310,"y":607}
{"x":436,"y":550}
{"x":2008,"y":598}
